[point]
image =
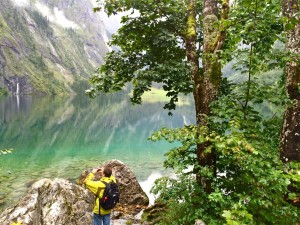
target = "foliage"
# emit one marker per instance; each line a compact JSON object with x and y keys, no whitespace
{"x":293,"y":173}
{"x":253,"y":28}
{"x":42,"y":23}
{"x":152,"y":50}
{"x":249,"y":182}
{"x":250,"y":185}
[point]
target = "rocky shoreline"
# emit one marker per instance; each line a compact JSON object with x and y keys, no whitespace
{"x":59,"y":201}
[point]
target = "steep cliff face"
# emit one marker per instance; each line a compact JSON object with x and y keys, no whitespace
{"x":49,"y":46}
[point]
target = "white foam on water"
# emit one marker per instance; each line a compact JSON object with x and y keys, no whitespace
{"x":147,"y":184}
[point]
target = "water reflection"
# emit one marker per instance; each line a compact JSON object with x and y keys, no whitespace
{"x":62,"y":136}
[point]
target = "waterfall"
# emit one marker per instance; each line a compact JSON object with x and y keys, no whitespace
{"x":18,"y":89}
{"x":184,"y":120}
{"x":17,"y":94}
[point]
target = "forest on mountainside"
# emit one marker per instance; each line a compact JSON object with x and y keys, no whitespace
{"x":49,"y":47}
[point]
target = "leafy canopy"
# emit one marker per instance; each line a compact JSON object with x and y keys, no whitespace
{"x":150,"y":50}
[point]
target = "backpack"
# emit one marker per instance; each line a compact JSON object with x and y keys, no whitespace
{"x":110,"y":196}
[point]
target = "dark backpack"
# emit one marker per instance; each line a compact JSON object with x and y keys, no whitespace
{"x":110,"y":196}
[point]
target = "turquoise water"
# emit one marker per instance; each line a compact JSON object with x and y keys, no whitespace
{"x":62,"y":136}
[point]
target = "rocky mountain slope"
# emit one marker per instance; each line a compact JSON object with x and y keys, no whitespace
{"x":49,"y":46}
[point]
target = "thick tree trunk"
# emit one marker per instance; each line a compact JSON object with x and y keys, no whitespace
{"x":201,"y":105}
{"x":290,"y":135}
{"x":206,"y":84}
{"x":209,"y":83}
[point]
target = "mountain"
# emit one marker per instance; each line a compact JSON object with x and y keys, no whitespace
{"x":49,"y":46}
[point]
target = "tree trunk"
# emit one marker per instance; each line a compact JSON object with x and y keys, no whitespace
{"x":206,"y":84}
{"x":290,"y":135}
{"x":209,"y":84}
{"x":191,"y":51}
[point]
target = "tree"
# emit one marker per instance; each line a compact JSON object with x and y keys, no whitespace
{"x":250,"y":184}
{"x":152,"y":49}
{"x":207,"y":88}
{"x":163,"y":44}
{"x":233,"y":149}
{"x":290,"y":135}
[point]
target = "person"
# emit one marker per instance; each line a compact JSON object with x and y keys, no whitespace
{"x":97,"y":187}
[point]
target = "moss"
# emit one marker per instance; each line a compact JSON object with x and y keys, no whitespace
{"x":215,"y":69}
{"x":210,"y":27}
{"x":191,"y":26}
{"x":216,"y":74}
{"x":190,"y":30}
{"x":154,"y":214}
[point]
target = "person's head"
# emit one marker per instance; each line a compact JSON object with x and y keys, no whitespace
{"x":107,"y":171}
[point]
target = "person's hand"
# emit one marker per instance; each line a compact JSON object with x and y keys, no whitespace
{"x":100,"y":171}
{"x":95,"y":170}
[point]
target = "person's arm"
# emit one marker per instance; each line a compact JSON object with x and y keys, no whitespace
{"x":93,"y":186}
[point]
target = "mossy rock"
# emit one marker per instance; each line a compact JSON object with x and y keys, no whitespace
{"x":152,"y":215}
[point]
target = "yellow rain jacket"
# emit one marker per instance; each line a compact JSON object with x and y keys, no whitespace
{"x":97,"y":187}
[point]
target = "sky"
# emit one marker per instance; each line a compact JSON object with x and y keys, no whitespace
{"x":56,"y":16}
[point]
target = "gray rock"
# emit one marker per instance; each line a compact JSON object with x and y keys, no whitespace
{"x":199,"y":222}
{"x":131,"y":192}
{"x":132,"y":197}
{"x":52,"y":202}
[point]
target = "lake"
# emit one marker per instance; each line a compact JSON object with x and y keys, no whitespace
{"x":61,"y":136}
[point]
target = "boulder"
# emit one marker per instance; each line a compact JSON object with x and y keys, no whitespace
{"x":199,"y":222}
{"x":52,"y":202}
{"x":59,"y":201}
{"x":132,"y":197}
